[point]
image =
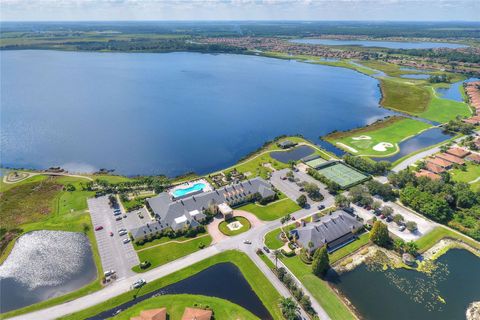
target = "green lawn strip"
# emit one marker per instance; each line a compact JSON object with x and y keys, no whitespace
{"x":267,"y":261}
{"x":162,"y":254}
{"x":471,"y":173}
{"x":350,"y":248}
{"x":272,"y":239}
{"x":257,"y":280}
{"x":320,"y":289}
{"x":223,"y":226}
{"x":137,"y":201}
{"x":437,"y":234}
{"x":176,"y":304}
{"x":271,"y":211}
{"x":444,"y":110}
{"x":404,"y":96}
{"x":392,"y":130}
{"x":164,"y":240}
{"x":112,"y":179}
{"x":390,"y":69}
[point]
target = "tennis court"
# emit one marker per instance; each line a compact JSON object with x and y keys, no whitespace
{"x":342,"y":174}
{"x":315,"y":163}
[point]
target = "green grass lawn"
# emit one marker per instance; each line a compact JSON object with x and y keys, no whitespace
{"x":390,"y":69}
{"x":267,"y":261}
{"x":271,"y":211}
{"x":320,"y":289}
{"x":444,"y":110}
{"x":131,"y":204}
{"x":392,"y":130}
{"x":176,"y":304}
{"x":165,"y":253}
{"x":272,"y":239}
{"x":471,"y":173}
{"x":350,"y":248}
{"x":257,"y":280}
{"x":405,"y":97}
{"x":163,"y":240}
{"x":437,"y":234}
{"x":226,"y":231}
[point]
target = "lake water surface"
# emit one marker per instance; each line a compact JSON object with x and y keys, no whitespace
{"x":401,"y":294}
{"x":44,"y":265}
{"x":168,"y":113}
{"x":223,"y":280}
{"x":382,"y":44}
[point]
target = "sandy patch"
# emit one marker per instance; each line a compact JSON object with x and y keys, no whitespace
{"x":347,"y":147}
{"x":362,"y":138}
{"x":382,"y":146}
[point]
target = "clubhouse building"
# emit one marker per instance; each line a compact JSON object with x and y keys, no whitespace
{"x":190,"y":211}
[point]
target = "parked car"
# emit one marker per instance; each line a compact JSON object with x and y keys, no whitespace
{"x":111,"y":234}
{"x":321,"y":207}
{"x":247,"y":241}
{"x":117,"y":213}
{"x":283,"y":178}
{"x":389,"y":219}
{"x":98,"y":228}
{"x":266,"y":249}
{"x":108,"y":273}
{"x":301,"y":189}
{"x":124,"y":215}
{"x":139,"y":283}
{"x":122,"y":233}
{"x":126,"y":240}
{"x":121,"y":230}
{"x":402,"y":228}
{"x":382,"y":216}
{"x":118,"y":218}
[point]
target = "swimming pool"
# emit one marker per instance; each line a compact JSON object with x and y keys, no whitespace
{"x":183,"y":191}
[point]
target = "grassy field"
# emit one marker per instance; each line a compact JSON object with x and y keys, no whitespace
{"x":257,"y":280}
{"x":271,"y":211}
{"x":176,"y":304}
{"x":170,"y":251}
{"x":404,"y":96}
{"x":471,"y":173}
{"x":392,"y":130}
{"x":163,"y":240}
{"x":444,"y":110}
{"x":437,"y":234}
{"x":350,"y":248}
{"x":272,"y":239}
{"x":226,"y":231}
{"x":390,"y":69}
{"x":320,"y":289}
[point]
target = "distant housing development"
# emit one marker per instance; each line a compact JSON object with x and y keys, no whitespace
{"x":189,"y":212}
{"x":333,"y":230}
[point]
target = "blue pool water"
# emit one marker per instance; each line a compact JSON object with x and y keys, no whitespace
{"x":195,"y":187}
{"x":382,"y":44}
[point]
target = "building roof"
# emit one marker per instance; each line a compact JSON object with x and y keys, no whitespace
{"x":439,"y":162}
{"x":327,"y":229}
{"x":450,"y":158}
{"x":197,"y":314}
{"x":149,"y":228}
{"x":428,"y":174}
{"x":473,"y":157}
{"x":286,"y":143}
{"x":167,"y":209}
{"x":310,"y":157}
{"x":152,"y":314}
{"x":458,"y":152}
{"x":434,"y":168}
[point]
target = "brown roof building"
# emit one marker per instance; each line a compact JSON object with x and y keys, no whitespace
{"x":473,"y":157}
{"x":458,"y":152}
{"x":440,"y":162}
{"x":450,"y":158}
{"x":428,"y":174}
{"x":152,"y":314}
{"x":197,"y":314}
{"x":434,"y":168}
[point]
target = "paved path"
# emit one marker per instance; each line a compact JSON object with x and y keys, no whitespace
{"x":31,"y":174}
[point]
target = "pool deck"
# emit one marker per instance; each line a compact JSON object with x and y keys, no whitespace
{"x":208,"y":187}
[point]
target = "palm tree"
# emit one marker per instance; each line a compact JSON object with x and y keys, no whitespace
{"x":276,"y":254}
{"x":289,"y":308}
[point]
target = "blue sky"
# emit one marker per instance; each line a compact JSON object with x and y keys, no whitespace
{"x":418,"y":10}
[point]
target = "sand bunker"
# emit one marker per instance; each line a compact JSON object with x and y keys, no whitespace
{"x":362,"y":138}
{"x":382,"y":146}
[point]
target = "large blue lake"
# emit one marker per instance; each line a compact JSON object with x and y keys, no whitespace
{"x":167,"y":113}
{"x":382,"y":44}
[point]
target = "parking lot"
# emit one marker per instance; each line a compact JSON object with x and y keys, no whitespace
{"x":424,"y":226}
{"x":114,"y":254}
{"x":137,"y":218}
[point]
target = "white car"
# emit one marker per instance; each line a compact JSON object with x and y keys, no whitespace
{"x":122,"y":233}
{"x":108,"y":273}
{"x":247,"y":241}
{"x":139,"y":283}
{"x":126,"y":240}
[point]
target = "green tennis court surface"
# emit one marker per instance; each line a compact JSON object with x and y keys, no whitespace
{"x":342,"y":174}
{"x":315,"y":163}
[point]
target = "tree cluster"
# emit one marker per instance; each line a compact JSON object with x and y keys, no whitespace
{"x":367,"y":165}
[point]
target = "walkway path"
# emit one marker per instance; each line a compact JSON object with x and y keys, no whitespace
{"x":31,"y":174}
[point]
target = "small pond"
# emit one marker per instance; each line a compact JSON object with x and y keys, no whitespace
{"x":453,"y":92}
{"x":400,"y":294}
{"x":382,"y":44}
{"x":423,"y":140}
{"x":44,"y":265}
{"x":223,"y":280}
{"x":292,"y":154}
{"x":415,"y":76}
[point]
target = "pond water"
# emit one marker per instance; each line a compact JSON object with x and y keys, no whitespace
{"x":415,"y":76}
{"x":400,"y":294}
{"x":382,"y":44}
{"x":223,"y":280}
{"x":453,"y":91}
{"x":44,"y":265}
{"x":170,"y":113}
{"x":293,"y":154}
{"x":423,"y":140}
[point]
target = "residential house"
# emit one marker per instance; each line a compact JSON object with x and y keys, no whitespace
{"x":285,"y":144}
{"x":197,"y":314}
{"x":333,"y":230}
{"x":458,"y":152}
{"x":474,"y":157}
{"x":427,"y":174}
{"x":450,"y":158}
{"x":440,"y":162}
{"x":152,"y":314}
{"x":434,"y":168}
